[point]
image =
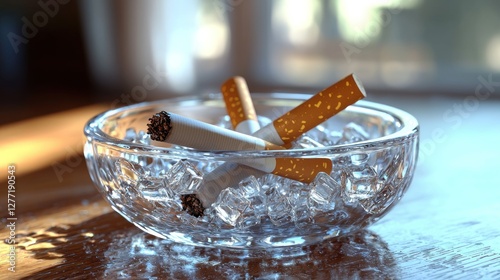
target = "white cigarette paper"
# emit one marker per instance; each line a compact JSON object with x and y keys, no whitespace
{"x":228,"y":174}
{"x":180,"y":130}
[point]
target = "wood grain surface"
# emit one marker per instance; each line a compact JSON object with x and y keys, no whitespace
{"x":446,"y":227}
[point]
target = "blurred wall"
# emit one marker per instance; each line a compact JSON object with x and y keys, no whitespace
{"x":59,"y":54}
{"x":43,"y":59}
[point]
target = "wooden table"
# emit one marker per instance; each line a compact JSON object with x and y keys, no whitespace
{"x":446,"y":227}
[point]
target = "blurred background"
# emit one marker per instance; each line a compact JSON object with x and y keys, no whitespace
{"x":62,"y":54}
{"x":64,"y":61}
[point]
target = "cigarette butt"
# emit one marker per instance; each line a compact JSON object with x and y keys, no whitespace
{"x":239,"y":105}
{"x":313,"y":111}
{"x":176,"y":129}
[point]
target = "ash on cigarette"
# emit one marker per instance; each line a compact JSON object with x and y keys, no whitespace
{"x":192,"y":205}
{"x":159,"y":126}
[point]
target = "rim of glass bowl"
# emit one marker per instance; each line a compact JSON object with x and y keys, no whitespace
{"x":408,"y":129}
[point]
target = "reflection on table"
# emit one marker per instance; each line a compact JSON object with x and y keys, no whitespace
{"x":106,"y":246}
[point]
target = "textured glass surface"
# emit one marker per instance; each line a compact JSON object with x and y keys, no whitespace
{"x":373,"y":149}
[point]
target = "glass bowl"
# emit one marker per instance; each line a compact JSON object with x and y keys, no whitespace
{"x":373,"y":148}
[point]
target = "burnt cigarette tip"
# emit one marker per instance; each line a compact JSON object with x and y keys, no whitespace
{"x":159,"y":126}
{"x":192,"y":205}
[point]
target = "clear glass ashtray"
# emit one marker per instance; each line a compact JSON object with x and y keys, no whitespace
{"x":373,"y":148}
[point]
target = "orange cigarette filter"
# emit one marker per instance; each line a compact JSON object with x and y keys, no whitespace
{"x":324,"y":104}
{"x":239,"y":105}
{"x":313,"y":111}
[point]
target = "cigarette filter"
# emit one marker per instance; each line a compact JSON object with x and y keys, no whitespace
{"x":313,"y":111}
{"x":239,"y":105}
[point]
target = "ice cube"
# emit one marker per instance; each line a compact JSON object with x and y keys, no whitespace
{"x":224,"y":176}
{"x":281,"y":184}
{"x":107,"y":171}
{"x":302,"y":216}
{"x":143,"y":138}
{"x":298,"y":196}
{"x":225,"y":121}
{"x":159,"y":167}
{"x":230,"y":206}
{"x":130,"y":134}
{"x":298,"y":193}
{"x":279,"y":208}
{"x":183,"y":178}
{"x":207,"y":166}
{"x":137,"y":137}
{"x":324,"y":192}
{"x":214,"y":222}
{"x":360,"y":183}
{"x":318,"y":135}
{"x":353,"y":132}
{"x":127,"y":187}
{"x":306,"y":142}
{"x":250,"y":217}
{"x":340,"y":163}
{"x":359,"y":158}
{"x":132,"y":197}
{"x":154,"y":189}
{"x":250,"y":188}
{"x":381,"y":200}
{"x":332,"y":138}
{"x":129,"y":169}
{"x":188,"y":219}
{"x":387,"y":163}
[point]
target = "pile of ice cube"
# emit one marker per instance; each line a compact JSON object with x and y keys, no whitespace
{"x":354,"y":184}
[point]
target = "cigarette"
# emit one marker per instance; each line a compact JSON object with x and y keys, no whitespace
{"x":313,"y":111}
{"x":176,"y":129}
{"x":239,"y":105}
{"x":180,"y":130}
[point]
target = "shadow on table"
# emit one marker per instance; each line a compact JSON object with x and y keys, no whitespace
{"x":94,"y":248}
